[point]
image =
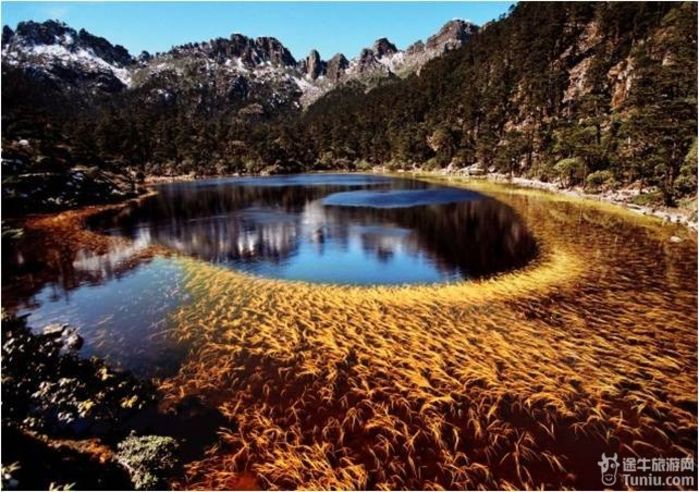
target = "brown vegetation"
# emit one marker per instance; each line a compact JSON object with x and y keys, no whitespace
{"x":521,"y":381}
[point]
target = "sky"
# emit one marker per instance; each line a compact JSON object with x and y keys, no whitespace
{"x":329,"y":27}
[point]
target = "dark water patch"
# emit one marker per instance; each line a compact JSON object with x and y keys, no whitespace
{"x":329,"y":179}
{"x":343,"y":229}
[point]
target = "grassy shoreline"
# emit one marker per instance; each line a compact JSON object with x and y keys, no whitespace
{"x":624,"y":197}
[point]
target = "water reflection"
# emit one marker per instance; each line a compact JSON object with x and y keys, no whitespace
{"x":338,"y":229}
{"x":320,"y":228}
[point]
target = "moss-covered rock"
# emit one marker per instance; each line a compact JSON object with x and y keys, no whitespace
{"x":149,"y":460}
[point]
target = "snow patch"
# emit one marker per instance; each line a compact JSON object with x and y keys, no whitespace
{"x":56,"y":53}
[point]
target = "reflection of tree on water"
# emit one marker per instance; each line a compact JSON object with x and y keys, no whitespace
{"x":253,"y":227}
{"x":239,"y":225}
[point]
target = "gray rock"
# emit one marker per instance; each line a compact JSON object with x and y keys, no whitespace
{"x":54,"y":330}
{"x":66,"y":335}
{"x":451,"y":36}
{"x":314,"y":67}
{"x":383,"y":47}
{"x":72,"y":341}
{"x":336,"y":67}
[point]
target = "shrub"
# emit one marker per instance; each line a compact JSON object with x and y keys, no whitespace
{"x":599,"y":179}
{"x":363,"y":166}
{"x":686,"y":182}
{"x":148,"y":459}
{"x":569,"y":171}
{"x":650,"y":199}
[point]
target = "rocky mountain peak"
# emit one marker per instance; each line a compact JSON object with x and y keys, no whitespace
{"x":313,"y":66}
{"x":66,"y":58}
{"x":452,"y":35}
{"x":383,"y":47}
{"x":248,"y":66}
{"x":54,"y":33}
{"x":49,"y":32}
{"x":368,"y":63}
{"x":415,"y":48}
{"x":336,"y":67}
{"x":7,"y":34}
{"x":272,"y":50}
{"x":250,"y":52}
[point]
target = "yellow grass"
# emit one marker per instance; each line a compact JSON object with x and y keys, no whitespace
{"x":520,"y":381}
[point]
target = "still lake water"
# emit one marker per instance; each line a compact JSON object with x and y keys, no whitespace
{"x":342,"y":229}
{"x":324,"y":228}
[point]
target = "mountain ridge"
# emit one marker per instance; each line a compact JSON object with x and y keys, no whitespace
{"x":60,"y":53}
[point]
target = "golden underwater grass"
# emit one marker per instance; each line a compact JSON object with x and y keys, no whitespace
{"x":520,"y":381}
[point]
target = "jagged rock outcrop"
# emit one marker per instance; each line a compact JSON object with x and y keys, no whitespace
{"x":247,"y":52}
{"x":383,"y":47}
{"x":415,"y":48}
{"x":367,"y":64}
{"x":60,"y":55}
{"x":313,"y":66}
{"x":451,"y":36}
{"x":336,"y":67}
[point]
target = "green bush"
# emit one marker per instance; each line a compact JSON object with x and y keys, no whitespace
{"x":650,"y":199}
{"x":432,"y":164}
{"x":599,"y":179}
{"x":686,"y":182}
{"x":363,"y":165}
{"x":569,"y":171}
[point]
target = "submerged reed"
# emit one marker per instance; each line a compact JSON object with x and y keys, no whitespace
{"x":519,"y":381}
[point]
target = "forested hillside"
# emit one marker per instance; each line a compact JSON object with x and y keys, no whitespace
{"x":601,"y":94}
{"x":581,"y":91}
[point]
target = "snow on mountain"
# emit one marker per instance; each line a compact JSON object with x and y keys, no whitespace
{"x":55,"y":52}
{"x":237,"y":67}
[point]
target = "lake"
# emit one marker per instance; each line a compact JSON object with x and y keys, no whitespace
{"x":344,"y":229}
{"x":468,"y":313}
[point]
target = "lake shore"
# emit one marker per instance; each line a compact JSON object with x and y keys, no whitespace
{"x":77,"y":421}
{"x":622,"y":197}
{"x":242,"y":417}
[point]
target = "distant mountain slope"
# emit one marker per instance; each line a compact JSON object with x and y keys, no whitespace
{"x":66,"y":58}
{"x":597,"y":93}
{"x":261,"y":70}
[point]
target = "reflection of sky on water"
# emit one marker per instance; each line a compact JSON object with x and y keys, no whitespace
{"x":339,"y":259}
{"x":320,"y":228}
{"x":400,"y":198}
{"x":333,"y":228}
{"x":124,"y":319}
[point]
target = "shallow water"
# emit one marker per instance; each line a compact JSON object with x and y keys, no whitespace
{"x":325,"y":228}
{"x":520,"y":380}
{"x":123,"y":319}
